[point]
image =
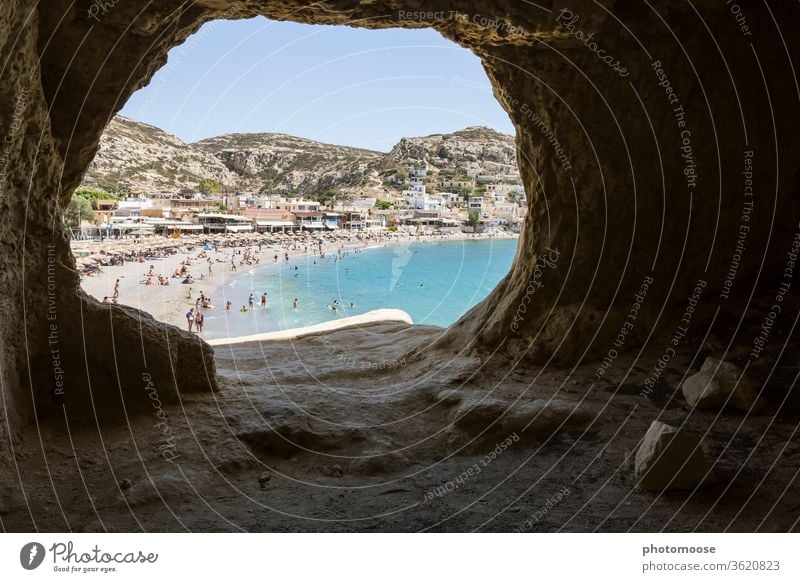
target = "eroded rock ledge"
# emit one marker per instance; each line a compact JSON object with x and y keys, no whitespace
{"x":298,"y":438}
{"x":631,"y":177}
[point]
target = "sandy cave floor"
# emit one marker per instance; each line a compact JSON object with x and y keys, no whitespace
{"x":340,"y":433}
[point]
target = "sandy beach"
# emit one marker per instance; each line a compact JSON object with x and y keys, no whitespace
{"x":169,"y":303}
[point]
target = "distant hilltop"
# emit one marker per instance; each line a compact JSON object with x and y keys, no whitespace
{"x":139,"y":158}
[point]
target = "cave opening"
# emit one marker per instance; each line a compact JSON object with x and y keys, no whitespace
{"x":537,"y":386}
{"x":388,"y":141}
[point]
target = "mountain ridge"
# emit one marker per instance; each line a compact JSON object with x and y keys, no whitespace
{"x":141,"y":158}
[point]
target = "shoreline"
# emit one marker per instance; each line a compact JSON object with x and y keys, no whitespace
{"x":169,"y":303}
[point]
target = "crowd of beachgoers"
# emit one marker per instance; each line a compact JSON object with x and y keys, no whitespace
{"x":114,"y":252}
{"x":119,"y":270}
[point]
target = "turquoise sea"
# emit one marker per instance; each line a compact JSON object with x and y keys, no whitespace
{"x":434,"y":282}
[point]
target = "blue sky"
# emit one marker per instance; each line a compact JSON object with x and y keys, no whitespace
{"x":334,"y":84}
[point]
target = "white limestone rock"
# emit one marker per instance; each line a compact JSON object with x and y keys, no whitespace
{"x":670,"y":458}
{"x":719,"y":384}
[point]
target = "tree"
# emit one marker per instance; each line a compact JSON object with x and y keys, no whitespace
{"x":474,"y":217}
{"x":93,"y":195}
{"x":209,"y":186}
{"x":464,"y":191}
{"x":326,"y":197}
{"x":383,"y":204}
{"x":78,"y":210}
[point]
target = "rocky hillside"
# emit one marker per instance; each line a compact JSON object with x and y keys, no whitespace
{"x":144,"y":159}
{"x":273,"y":162}
{"x":476,"y":148}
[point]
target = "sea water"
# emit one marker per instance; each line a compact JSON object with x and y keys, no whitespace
{"x":434,"y":282}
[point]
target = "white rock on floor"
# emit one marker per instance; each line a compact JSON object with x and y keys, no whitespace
{"x":670,"y":458}
{"x":719,"y":384}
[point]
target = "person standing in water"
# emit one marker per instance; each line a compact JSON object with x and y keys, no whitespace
{"x":190,"y":318}
{"x":294,"y":305}
{"x":116,"y":290}
{"x":251,"y":301}
{"x":264,"y":300}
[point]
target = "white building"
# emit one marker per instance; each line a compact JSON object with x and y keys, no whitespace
{"x":267,"y":202}
{"x":421,"y":172}
{"x":135,"y":204}
{"x":451,"y":199}
{"x":476,"y":203}
{"x":507,"y":212}
{"x":503,"y":191}
{"x":456,"y":183}
{"x":425,"y":202}
{"x":415,"y":190}
{"x":298,"y":205}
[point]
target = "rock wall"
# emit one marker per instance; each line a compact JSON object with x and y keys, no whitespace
{"x":631,"y":142}
{"x":63,"y":354}
{"x":661,"y":176}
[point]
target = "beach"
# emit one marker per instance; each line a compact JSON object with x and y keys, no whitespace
{"x":154,"y":256}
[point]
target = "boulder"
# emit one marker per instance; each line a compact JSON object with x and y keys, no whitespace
{"x":670,"y":458}
{"x":168,"y":488}
{"x":719,"y":384}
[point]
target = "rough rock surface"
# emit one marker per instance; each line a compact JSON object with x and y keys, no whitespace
{"x":670,"y":458}
{"x":414,"y":469}
{"x":719,"y":384}
{"x":633,"y":175}
{"x":71,"y":72}
{"x":481,"y":418}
